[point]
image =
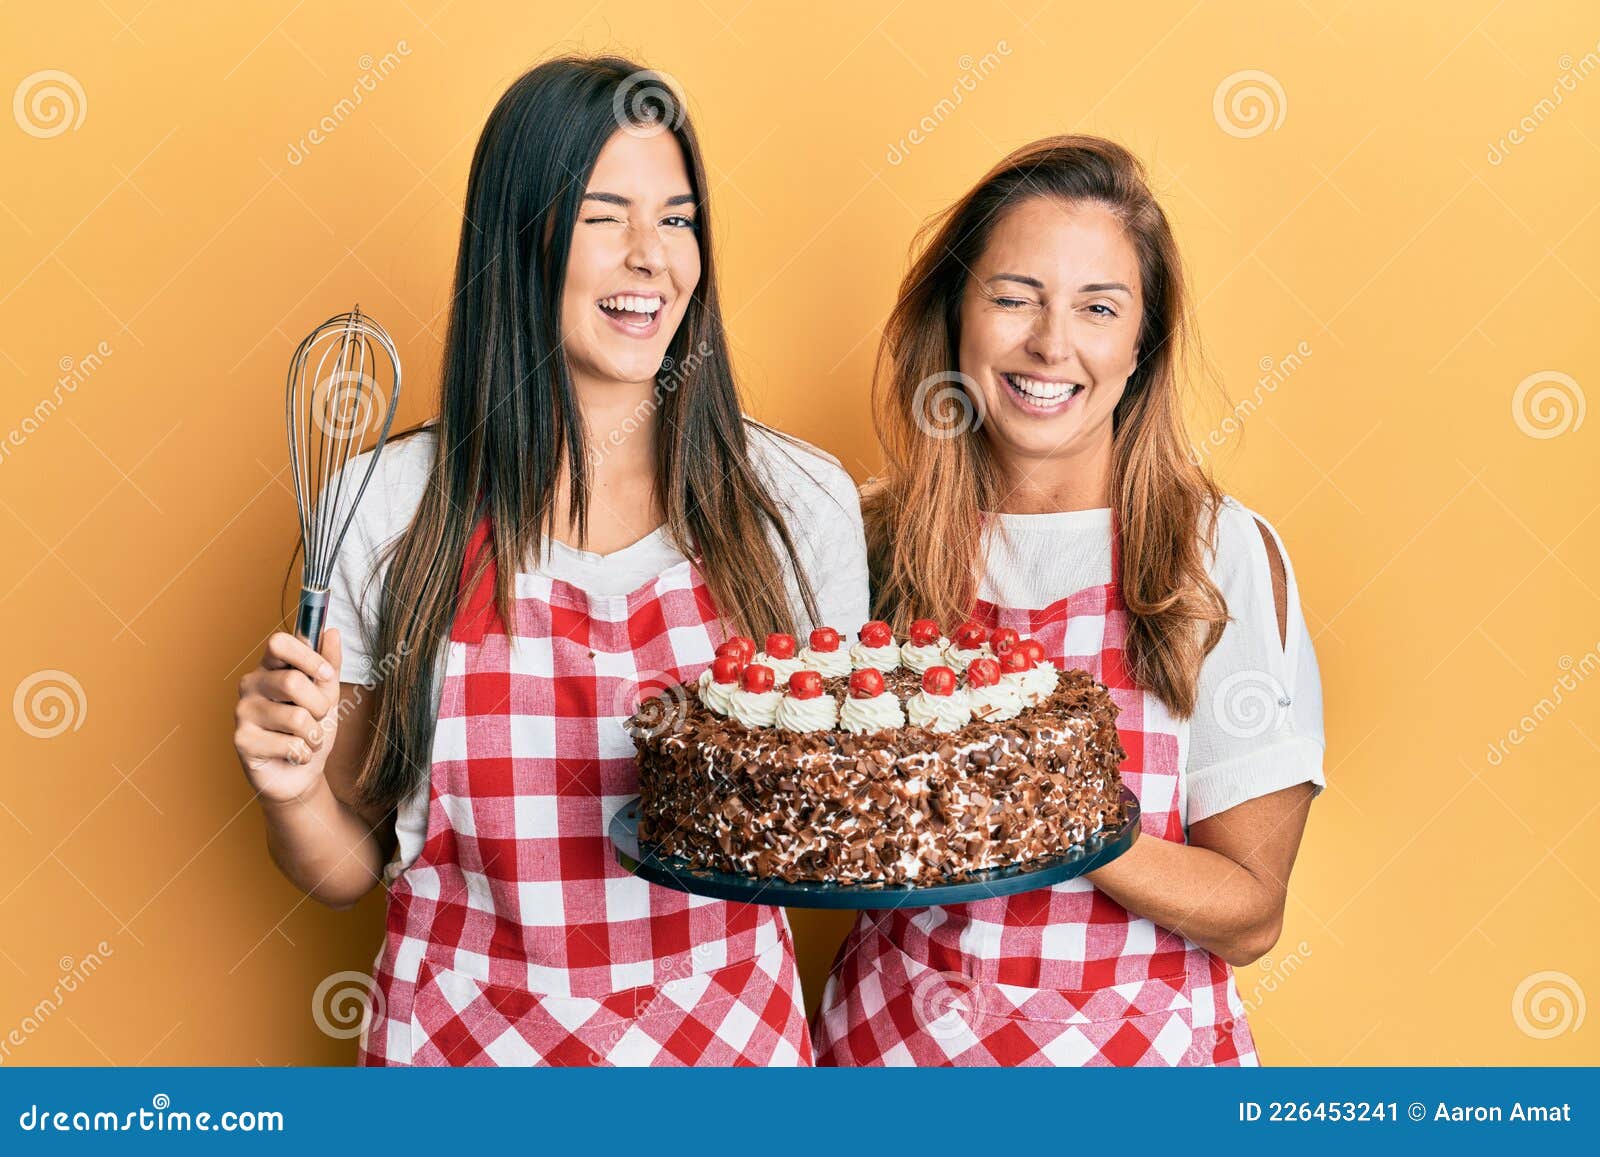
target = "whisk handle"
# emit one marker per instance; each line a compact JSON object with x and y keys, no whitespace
{"x":309,"y":618}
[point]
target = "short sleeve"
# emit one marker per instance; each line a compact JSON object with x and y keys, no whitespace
{"x":386,"y":508}
{"x":1257,"y":726}
{"x":822,"y":511}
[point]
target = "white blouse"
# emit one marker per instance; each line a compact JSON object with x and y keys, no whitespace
{"x":817,"y":496}
{"x":1257,"y":725}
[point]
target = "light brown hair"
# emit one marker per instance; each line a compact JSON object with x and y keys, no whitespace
{"x":925,"y":514}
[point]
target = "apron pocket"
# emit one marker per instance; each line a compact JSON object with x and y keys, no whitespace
{"x":1137,"y":1022}
{"x":458,"y":1020}
{"x":723,"y":1016}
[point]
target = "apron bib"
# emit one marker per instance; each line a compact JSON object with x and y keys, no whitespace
{"x":516,"y":938}
{"x":1057,"y":976}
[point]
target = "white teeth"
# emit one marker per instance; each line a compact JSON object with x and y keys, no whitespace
{"x":628,"y":303}
{"x":1041,"y":391}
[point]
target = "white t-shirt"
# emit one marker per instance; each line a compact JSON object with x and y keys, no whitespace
{"x":816,"y":495}
{"x":1257,"y":724}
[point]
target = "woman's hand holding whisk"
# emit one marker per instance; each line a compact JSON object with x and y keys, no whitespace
{"x":287,"y":716}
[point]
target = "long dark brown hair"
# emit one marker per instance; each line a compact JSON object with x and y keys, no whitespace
{"x":925,"y":514}
{"x":509,"y":421}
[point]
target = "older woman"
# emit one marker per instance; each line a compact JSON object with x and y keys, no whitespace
{"x":1065,"y":506}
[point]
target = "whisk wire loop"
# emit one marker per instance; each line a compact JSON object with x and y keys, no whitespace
{"x":343,"y":384}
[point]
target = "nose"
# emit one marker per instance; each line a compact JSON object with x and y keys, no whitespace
{"x":1050,"y":341}
{"x":647,"y":254}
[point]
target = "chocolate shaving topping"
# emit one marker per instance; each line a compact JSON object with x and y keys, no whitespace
{"x":898,"y":806}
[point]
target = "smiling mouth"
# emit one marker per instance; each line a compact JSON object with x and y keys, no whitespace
{"x":633,"y":310}
{"x":1039,"y":392}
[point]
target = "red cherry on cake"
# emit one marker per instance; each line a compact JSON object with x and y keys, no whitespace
{"x":939,"y":681}
{"x":756,"y":678}
{"x":1015,"y":661}
{"x":725,"y":668}
{"x":970,"y":635}
{"x":738,"y":645}
{"x":805,"y":684}
{"x":866,"y":683}
{"x":983,"y":673}
{"x":876,"y":633}
{"x":1032,"y":648}
{"x":780,"y":646}
{"x":1002,"y":639}
{"x":825,"y":640}
{"x":925,"y":632}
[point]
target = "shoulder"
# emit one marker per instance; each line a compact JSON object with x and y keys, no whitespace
{"x":392,"y":495}
{"x":1242,"y":541}
{"x":800,"y":474}
{"x":383,"y":511}
{"x":1250,"y":565}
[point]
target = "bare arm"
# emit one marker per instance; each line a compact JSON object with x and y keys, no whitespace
{"x":301,"y":738}
{"x":1226,"y":888}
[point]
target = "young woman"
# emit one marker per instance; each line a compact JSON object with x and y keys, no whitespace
{"x":1068,"y":509}
{"x":588,"y":517}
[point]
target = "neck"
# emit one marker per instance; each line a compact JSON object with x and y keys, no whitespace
{"x":619,"y":420}
{"x":619,"y":423}
{"x":1077,"y":481}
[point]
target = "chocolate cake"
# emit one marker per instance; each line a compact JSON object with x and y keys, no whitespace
{"x":1003,"y":761}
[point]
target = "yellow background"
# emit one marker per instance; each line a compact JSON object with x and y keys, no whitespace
{"x":1448,"y":558}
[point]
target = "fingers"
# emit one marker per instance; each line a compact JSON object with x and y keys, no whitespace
{"x":284,"y":650}
{"x":255,"y":743}
{"x":287,"y":685}
{"x":333,"y":650}
{"x":333,"y":656}
{"x":285,"y":718}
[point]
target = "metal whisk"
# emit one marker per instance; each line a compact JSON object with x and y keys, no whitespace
{"x":339,"y":392}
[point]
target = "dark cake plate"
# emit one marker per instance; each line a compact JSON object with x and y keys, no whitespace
{"x":672,"y":872}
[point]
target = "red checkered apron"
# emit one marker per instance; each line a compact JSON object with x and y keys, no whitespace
{"x":1057,"y":976}
{"x":516,"y":938}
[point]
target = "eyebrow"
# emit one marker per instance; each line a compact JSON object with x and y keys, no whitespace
{"x":1035,"y":283}
{"x":626,"y":203}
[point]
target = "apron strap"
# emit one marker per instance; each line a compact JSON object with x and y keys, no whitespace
{"x":1116,"y":554}
{"x":476,"y":614}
